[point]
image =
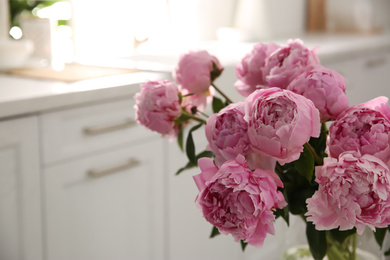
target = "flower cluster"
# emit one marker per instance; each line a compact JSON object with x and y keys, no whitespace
{"x":274,"y":146}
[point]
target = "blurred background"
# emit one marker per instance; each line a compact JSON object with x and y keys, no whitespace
{"x":71,"y":30}
{"x":79,"y":179}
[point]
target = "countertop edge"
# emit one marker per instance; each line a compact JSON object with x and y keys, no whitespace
{"x":46,"y":102}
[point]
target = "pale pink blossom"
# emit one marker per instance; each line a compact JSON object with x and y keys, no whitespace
{"x":250,"y":69}
{"x":196,"y":70}
{"x":288,"y":62}
{"x":326,"y":88}
{"x":237,"y":200}
{"x":227,"y":135}
{"x":157,"y":106}
{"x":354,"y":191}
{"x":280,"y":122}
{"x":380,"y":104}
{"x":363,"y":128}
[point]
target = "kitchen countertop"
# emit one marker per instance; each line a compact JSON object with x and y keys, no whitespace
{"x":21,"y":96}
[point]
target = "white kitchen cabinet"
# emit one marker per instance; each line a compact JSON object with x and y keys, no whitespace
{"x":20,"y":204}
{"x":107,"y":206}
{"x":366,"y":76}
{"x":79,"y":131}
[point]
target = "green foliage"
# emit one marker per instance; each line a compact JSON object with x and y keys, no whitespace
{"x":243,"y":245}
{"x":180,"y":137}
{"x":17,"y":7}
{"x":190,"y":146}
{"x":190,"y":165}
{"x":190,"y":149}
{"x":217,"y":104}
{"x":380,"y":234}
{"x":214,"y":232}
{"x":316,"y":240}
{"x":305,"y":164}
{"x":284,"y":213}
{"x":319,"y":144}
{"x":341,"y":236}
{"x":296,"y":189}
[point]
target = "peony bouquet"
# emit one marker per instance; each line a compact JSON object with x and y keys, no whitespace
{"x":273,"y":154}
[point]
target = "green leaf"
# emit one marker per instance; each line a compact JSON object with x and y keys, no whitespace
{"x":243,"y":245}
{"x":214,"y":232}
{"x":297,"y":190}
{"x":183,"y":118}
{"x":217,"y":104}
{"x":317,"y":241}
{"x":284,"y":214}
{"x":319,"y":144}
{"x":208,"y":154}
{"x":189,"y":165}
{"x":190,"y":146}
{"x":340,"y":236}
{"x":180,"y":138}
{"x":380,"y":234}
{"x":305,"y":164}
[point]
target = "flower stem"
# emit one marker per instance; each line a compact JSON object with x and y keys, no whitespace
{"x":334,"y":253}
{"x":183,"y":112}
{"x":313,"y":152}
{"x":203,"y":114}
{"x":220,"y":92}
{"x":335,"y":250}
{"x":354,"y":242}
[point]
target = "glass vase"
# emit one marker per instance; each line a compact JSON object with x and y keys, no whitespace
{"x":355,"y":247}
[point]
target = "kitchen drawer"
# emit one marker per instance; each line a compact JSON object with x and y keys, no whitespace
{"x":79,"y":131}
{"x":108,"y":206}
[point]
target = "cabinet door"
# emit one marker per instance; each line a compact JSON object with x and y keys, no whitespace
{"x":20,"y":207}
{"x":70,"y":133}
{"x":107,"y":207}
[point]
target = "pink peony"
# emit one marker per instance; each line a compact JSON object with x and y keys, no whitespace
{"x":157,"y":106}
{"x":196,"y":70}
{"x":280,"y":122}
{"x":353,"y":191}
{"x":379,"y":104}
{"x":227,"y":134}
{"x":362,"y":128}
{"x":238,"y":201}
{"x":250,"y":70}
{"x":288,"y":62}
{"x":326,"y":88}
{"x":244,"y":89}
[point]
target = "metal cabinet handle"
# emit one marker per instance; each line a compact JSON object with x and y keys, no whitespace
{"x":103,"y":172}
{"x":108,"y":128}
